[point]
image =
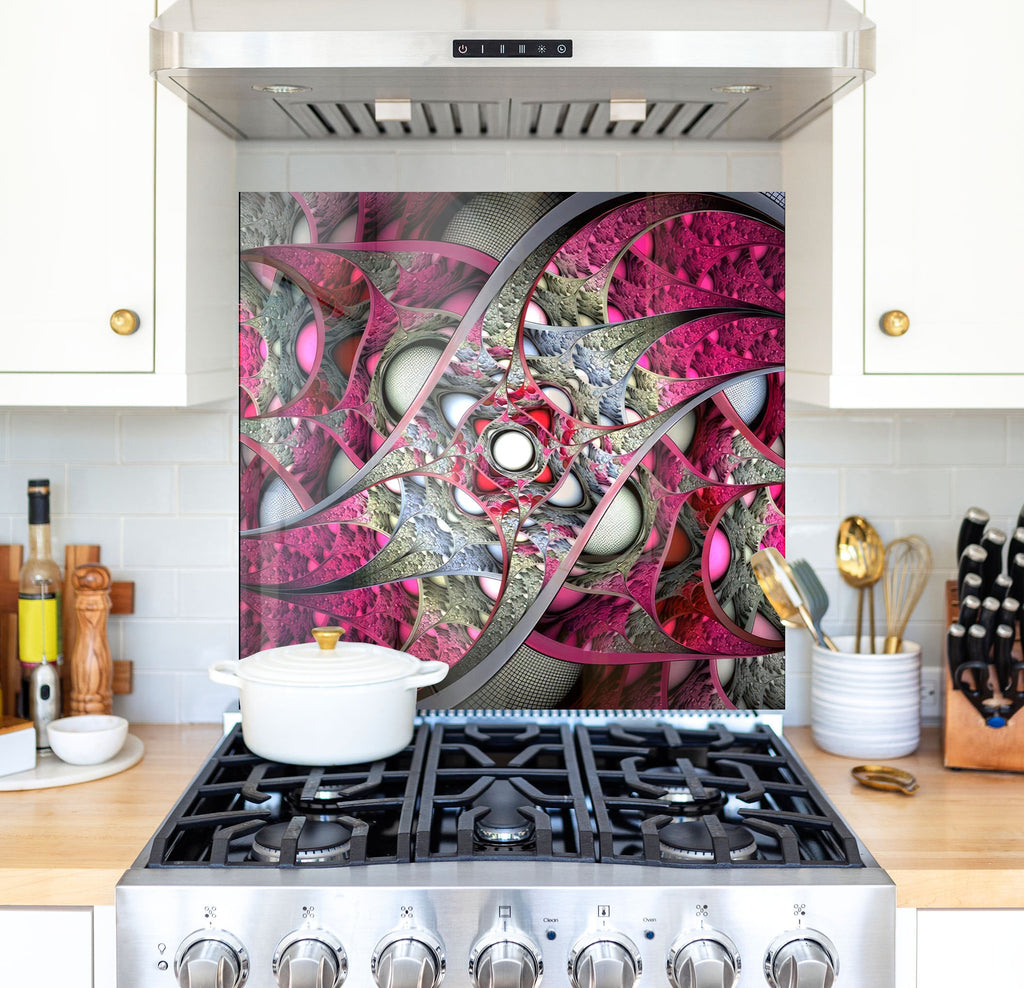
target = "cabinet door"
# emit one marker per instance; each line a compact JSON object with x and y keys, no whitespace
{"x":46,"y":948}
{"x":968,"y":947}
{"x":944,"y":138}
{"x":77,"y":204}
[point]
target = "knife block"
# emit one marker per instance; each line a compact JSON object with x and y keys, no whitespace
{"x":967,"y":741}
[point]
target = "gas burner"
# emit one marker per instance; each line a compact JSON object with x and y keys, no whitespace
{"x":691,"y":841}
{"x":682,"y":801}
{"x":502,"y":823}
{"x":318,"y":842}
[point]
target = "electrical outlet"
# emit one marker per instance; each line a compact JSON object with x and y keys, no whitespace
{"x":931,"y":694}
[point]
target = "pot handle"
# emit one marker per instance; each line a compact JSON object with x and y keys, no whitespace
{"x":431,"y":672}
{"x":224,"y":673}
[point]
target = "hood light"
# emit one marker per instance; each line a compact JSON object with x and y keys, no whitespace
{"x":741,"y":89}
{"x":281,"y":90}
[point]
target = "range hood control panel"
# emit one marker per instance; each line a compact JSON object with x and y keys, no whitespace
{"x":514,"y":48}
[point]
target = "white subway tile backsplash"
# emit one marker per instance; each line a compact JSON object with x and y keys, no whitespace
{"x":156,"y":593}
{"x":754,"y":172}
{"x":122,"y":490}
{"x":14,"y":478}
{"x":341,"y":172}
{"x":835,"y":439}
{"x":909,"y":472}
{"x":1015,"y":439}
{"x":897,"y":493}
{"x":154,"y":699}
{"x":79,"y":437}
{"x":180,"y":542}
{"x":257,"y":170}
{"x":203,"y":701}
{"x":812,"y":491}
{"x":159,"y":646}
{"x":999,"y":490}
{"x":209,"y":490}
{"x":178,"y":437}
{"x":208,"y":593}
{"x":431,"y":171}
{"x":947,"y":439}
{"x":86,"y":529}
{"x":576,"y":170}
{"x":673,"y":172}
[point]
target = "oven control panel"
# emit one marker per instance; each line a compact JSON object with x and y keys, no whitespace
{"x":375,"y":936}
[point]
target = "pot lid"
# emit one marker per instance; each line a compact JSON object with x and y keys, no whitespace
{"x":327,"y":662}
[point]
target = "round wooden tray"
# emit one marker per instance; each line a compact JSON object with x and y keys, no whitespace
{"x":50,"y":771}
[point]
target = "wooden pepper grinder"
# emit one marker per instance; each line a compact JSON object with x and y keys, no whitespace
{"x":92,"y":670}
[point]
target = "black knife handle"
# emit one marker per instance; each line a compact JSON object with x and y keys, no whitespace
{"x":1000,"y":587}
{"x":993,"y":542}
{"x":988,"y":618}
{"x":1016,"y":544}
{"x":1017,"y":576}
{"x":956,"y":650}
{"x":973,"y":524}
{"x":971,"y":586}
{"x":970,"y":608}
{"x":1009,"y":612}
{"x":1002,"y":661}
{"x":972,"y":560}
{"x":977,"y":661}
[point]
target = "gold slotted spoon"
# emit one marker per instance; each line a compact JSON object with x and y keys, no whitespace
{"x":860,"y":559}
{"x":784,"y":593}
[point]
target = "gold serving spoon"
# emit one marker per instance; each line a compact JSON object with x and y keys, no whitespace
{"x":860,"y":558}
{"x":784,"y":594}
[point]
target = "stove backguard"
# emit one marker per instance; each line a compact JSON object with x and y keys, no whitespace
{"x":536,"y":436}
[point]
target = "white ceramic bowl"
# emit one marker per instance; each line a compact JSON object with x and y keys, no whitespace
{"x":88,"y":739}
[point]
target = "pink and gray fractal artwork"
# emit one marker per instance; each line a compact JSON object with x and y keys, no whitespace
{"x":536,"y":436}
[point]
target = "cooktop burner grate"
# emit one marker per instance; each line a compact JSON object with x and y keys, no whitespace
{"x":634,"y":791}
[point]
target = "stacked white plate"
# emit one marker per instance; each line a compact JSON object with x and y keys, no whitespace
{"x":866,"y":705}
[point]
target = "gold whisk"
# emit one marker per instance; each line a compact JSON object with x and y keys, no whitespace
{"x":908,"y":562}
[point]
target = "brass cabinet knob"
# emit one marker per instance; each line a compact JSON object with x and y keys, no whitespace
{"x":895,"y":323}
{"x":124,"y":322}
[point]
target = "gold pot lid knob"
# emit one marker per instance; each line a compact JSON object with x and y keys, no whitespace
{"x":895,"y":322}
{"x":327,"y":637}
{"x":124,"y":322}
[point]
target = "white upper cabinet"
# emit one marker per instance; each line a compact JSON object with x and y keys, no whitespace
{"x":903,"y":200}
{"x":97,"y":219}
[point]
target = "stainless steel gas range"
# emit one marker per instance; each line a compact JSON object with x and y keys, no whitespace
{"x":593,"y":851}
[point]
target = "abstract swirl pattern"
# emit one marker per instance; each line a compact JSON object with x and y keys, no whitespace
{"x":536,"y":436}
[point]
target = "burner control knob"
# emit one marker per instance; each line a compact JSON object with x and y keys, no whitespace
{"x":706,"y":961}
{"x":310,"y":959}
{"x":408,"y":959}
{"x":607,"y":960}
{"x":801,"y":959}
{"x":500,"y":961}
{"x":211,"y":959}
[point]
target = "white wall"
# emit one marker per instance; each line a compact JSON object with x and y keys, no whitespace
{"x":158,"y":489}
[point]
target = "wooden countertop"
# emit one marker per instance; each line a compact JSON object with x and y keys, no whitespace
{"x":57,"y":846}
{"x":957,"y":843}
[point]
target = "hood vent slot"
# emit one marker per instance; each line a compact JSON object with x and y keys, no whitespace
{"x":584,"y":118}
{"x":433,"y":119}
{"x":354,"y":119}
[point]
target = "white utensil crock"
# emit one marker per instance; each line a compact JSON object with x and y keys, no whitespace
{"x":866,"y":705}
{"x":304,"y":705}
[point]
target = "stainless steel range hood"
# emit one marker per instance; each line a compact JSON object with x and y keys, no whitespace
{"x":394,"y":69}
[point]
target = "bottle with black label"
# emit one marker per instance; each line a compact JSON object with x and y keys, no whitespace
{"x":39,"y":612}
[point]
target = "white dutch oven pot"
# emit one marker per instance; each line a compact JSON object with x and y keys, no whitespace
{"x":317,"y":704}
